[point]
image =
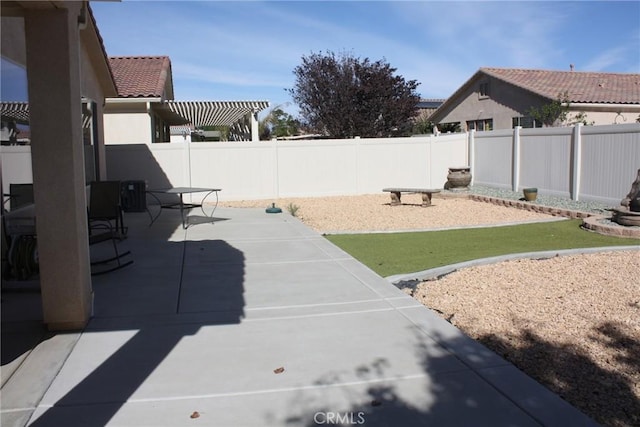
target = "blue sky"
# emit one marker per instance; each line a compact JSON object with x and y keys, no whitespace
{"x":247,"y":50}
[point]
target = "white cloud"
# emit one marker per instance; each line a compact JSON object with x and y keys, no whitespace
{"x":622,"y":58}
{"x":514,"y":34}
{"x":226,"y":75}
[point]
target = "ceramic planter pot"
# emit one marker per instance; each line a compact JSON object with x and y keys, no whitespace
{"x":530,"y":194}
{"x":459,"y":178}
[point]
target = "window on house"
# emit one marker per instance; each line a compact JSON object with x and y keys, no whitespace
{"x":480,"y":125}
{"x":525,"y":122}
{"x":484,"y":90}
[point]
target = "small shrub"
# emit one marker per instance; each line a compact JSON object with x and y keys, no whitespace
{"x":293,"y":209}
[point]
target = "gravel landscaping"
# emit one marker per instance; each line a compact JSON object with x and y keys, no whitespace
{"x":571,"y":322}
{"x":373,"y":213}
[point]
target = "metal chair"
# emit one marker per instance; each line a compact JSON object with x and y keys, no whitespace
{"x":19,"y":241}
{"x":106,"y":222}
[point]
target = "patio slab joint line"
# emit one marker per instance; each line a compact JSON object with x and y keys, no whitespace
{"x":184,"y":255}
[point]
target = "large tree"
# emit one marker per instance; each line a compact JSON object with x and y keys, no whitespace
{"x":343,"y":96}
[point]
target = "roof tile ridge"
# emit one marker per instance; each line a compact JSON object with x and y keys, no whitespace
{"x":500,"y":77}
{"x":138,"y":56}
{"x":165,"y":73}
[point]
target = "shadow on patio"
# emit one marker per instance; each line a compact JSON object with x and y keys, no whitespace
{"x":170,"y":277}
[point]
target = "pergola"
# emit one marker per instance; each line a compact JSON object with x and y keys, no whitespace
{"x":221,"y":113}
{"x":18,"y":111}
{"x":240,"y":115}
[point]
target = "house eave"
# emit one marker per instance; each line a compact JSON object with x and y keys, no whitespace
{"x":132,"y":100}
{"x":601,"y":106}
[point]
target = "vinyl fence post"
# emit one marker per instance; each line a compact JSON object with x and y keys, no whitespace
{"x":471,"y":147}
{"x":515,"y":162}
{"x":576,"y":161}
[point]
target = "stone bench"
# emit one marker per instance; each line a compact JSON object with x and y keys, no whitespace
{"x":396,"y":193}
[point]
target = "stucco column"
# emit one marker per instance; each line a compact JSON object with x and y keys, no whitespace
{"x":53,"y":69}
{"x":255,"y":133}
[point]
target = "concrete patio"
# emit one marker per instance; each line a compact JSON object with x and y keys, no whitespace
{"x":195,"y":331}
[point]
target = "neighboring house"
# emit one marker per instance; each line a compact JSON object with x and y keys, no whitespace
{"x":139,"y":114}
{"x":500,"y":98}
{"x":426,"y":107}
{"x":144,"y":112}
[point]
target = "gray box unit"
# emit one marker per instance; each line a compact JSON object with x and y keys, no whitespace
{"x":133,"y":196}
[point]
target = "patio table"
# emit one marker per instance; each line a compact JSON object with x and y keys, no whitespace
{"x":180,"y":192}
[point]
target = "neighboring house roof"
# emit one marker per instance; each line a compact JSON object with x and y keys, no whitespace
{"x":581,"y":87}
{"x":142,"y":76}
{"x":430,"y":103}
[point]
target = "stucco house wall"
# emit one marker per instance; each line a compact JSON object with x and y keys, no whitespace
{"x":503,"y":104}
{"x":128,"y":123}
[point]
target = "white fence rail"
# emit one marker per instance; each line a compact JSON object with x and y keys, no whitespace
{"x":596,"y":163}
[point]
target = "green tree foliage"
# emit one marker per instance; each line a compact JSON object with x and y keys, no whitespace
{"x":581,"y":118}
{"x":422,"y":127}
{"x":449,"y":127}
{"x":557,"y":113}
{"x":343,"y":96}
{"x":278,"y":123}
{"x":553,"y":113}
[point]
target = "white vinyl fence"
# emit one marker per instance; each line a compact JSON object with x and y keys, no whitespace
{"x":596,"y":163}
{"x":266,"y":170}
{"x":592,"y":163}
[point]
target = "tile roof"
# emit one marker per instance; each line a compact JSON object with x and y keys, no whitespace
{"x":582,"y":87}
{"x":141,"y":76}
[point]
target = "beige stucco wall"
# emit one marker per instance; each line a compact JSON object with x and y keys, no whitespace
{"x":606,"y":117}
{"x":504,"y":103}
{"x":127,"y":128}
{"x":91,"y":89}
{"x":12,"y":39}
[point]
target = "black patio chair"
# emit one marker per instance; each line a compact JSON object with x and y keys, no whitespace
{"x":106,"y":222}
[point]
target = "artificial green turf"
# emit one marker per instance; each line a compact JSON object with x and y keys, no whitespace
{"x":397,"y":253}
